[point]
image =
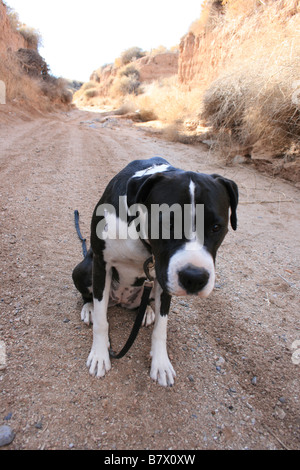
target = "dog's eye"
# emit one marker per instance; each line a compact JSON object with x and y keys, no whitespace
{"x":216,"y":228}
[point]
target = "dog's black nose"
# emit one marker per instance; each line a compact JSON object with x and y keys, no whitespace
{"x":193,"y":279}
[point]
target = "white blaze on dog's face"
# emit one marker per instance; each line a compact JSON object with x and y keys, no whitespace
{"x":191,"y":269}
{"x":186,"y":265}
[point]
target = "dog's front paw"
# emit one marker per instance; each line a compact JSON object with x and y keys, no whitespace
{"x":162,"y":370}
{"x":149,"y":317}
{"x":87,"y":313}
{"x":98,"y":361}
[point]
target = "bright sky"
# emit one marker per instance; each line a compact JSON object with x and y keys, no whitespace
{"x":80,"y":36}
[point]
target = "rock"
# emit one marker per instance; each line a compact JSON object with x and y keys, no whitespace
{"x":6,"y":435}
{"x":279,"y":413}
{"x":3,"y":363}
{"x":220,"y":361}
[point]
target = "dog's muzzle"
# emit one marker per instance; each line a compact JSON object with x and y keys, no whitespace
{"x":193,"y":279}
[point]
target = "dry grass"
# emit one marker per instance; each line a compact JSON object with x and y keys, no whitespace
{"x":36,"y":92}
{"x":169,"y":101}
{"x":251,"y":100}
{"x":19,"y":86}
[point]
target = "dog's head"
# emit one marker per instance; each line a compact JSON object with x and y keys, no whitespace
{"x":187,"y":219}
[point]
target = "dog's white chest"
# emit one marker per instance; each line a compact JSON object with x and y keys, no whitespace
{"x":127,"y":256}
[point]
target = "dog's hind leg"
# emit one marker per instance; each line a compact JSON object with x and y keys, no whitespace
{"x":82,"y":278}
{"x":149,"y":316}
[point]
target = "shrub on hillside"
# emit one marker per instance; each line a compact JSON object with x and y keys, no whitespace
{"x":91,"y":93}
{"x":31,"y":36}
{"x":56,"y":90}
{"x":131,"y":54}
{"x":19,"y":86}
{"x":127,"y":81}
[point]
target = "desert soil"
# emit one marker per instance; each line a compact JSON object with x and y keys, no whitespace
{"x":237,"y":384}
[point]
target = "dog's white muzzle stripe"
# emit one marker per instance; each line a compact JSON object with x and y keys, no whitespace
{"x":195,"y":255}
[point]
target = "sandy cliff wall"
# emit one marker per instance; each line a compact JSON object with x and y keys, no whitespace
{"x":157,"y":66}
{"x":10,"y":39}
{"x":189,"y":61}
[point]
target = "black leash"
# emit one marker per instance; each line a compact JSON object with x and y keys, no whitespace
{"x":83,"y":240}
{"x":148,"y":285}
{"x":141,"y":312}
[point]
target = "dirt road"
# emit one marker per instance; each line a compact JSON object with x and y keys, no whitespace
{"x":237,"y":384}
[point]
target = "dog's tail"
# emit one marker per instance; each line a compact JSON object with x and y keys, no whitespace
{"x":83,"y":240}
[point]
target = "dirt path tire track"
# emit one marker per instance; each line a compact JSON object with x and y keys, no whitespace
{"x":236,"y":386}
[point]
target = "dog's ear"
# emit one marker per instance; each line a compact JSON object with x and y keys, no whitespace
{"x":233,"y":193}
{"x":138,"y":188}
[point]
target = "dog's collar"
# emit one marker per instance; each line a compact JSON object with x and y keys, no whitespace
{"x":149,"y":265}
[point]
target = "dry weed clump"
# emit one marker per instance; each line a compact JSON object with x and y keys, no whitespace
{"x":251,"y":102}
{"x":131,"y":54}
{"x":31,"y":35}
{"x":19,"y":86}
{"x":127,"y":81}
{"x":169,"y":101}
{"x":36,"y":90}
{"x":56,"y":90}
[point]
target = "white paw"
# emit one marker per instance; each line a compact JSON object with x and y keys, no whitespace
{"x":149,"y":317}
{"x":87,"y":313}
{"x":98,"y":361}
{"x":162,"y":370}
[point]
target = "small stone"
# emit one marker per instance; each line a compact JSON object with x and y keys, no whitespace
{"x":220,"y":361}
{"x":279,"y":413}
{"x":6,"y":435}
{"x":3,"y":364}
{"x":191,"y":378}
{"x":254,"y":380}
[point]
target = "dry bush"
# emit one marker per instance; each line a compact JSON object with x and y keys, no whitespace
{"x":91,"y":93}
{"x":35,"y":91}
{"x":87,"y":85}
{"x":127,"y":82}
{"x":257,"y":69}
{"x":31,"y":36}
{"x":131,"y":54}
{"x":19,"y":86}
{"x":168,"y":101}
{"x":56,"y":90}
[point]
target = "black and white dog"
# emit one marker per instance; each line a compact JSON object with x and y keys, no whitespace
{"x":112,"y":272}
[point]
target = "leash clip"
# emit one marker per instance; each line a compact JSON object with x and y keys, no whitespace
{"x":149,"y":265}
